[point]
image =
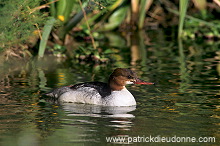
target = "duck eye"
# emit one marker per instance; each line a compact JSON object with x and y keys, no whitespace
{"x":129,"y":77}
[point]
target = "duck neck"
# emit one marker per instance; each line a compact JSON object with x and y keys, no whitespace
{"x":115,"y":86}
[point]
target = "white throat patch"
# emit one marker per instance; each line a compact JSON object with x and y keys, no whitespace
{"x":129,"y":82}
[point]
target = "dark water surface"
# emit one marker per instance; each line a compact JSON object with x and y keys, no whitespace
{"x":184,"y":102}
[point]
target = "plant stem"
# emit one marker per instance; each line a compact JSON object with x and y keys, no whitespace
{"x":144,"y":6}
{"x":182,"y":10}
{"x":134,"y":12}
{"x":195,"y":19}
{"x":44,"y":6}
{"x":85,"y":16}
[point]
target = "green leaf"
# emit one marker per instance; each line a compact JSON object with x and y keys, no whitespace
{"x":116,"y":19}
{"x":68,"y":9}
{"x":46,"y":32}
{"x":61,"y":6}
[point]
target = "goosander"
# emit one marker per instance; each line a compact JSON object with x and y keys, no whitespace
{"x":113,"y":93}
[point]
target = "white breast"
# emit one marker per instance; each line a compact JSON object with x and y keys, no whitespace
{"x":120,"y":98}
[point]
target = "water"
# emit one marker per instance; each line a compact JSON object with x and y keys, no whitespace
{"x":183,"y":103}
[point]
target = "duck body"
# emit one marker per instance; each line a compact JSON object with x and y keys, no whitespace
{"x":113,"y":93}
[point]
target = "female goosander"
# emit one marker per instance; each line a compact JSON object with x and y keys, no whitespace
{"x":113,"y":93}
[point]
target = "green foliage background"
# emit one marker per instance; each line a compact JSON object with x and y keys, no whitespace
{"x":21,"y":19}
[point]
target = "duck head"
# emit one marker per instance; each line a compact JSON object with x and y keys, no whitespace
{"x":122,"y":76}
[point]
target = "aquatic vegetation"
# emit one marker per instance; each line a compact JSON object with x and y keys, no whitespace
{"x":70,"y":19}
